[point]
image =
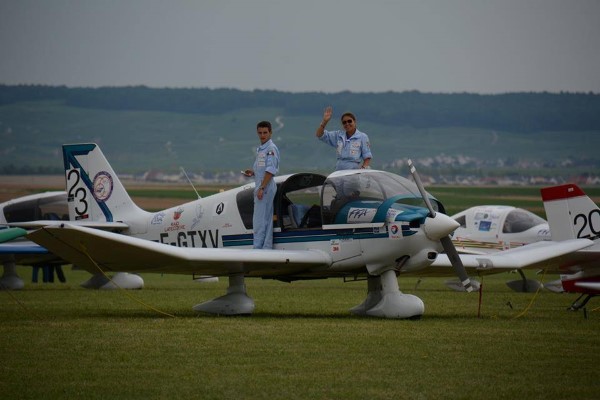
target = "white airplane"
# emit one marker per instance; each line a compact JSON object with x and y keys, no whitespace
{"x":352,"y":224}
{"x":43,"y":208}
{"x":572,"y":214}
{"x":487,"y":229}
{"x":16,"y":251}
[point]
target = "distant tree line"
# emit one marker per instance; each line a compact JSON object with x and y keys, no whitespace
{"x":516,"y":112}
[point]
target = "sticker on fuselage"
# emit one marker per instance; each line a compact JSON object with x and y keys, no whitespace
{"x":485,"y":226}
{"x":158,"y":218}
{"x":392,"y":214}
{"x":395,"y":231}
{"x":335,"y":245}
{"x":357,"y":215}
{"x":177,"y":213}
{"x":219,"y":209}
{"x":199,"y":213}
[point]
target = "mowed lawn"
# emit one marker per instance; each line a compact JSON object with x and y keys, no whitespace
{"x":61,"y":341}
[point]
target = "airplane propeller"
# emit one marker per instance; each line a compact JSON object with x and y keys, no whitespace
{"x":445,"y":240}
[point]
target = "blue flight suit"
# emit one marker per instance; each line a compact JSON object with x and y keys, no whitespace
{"x":350,"y":151}
{"x":267,"y":160}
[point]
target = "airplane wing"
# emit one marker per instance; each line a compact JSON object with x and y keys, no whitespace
{"x":541,"y":255}
{"x":467,"y":250}
{"x":108,"y":226}
{"x":589,"y":285}
{"x":25,"y":252}
{"x":114,"y":252}
{"x":12,"y":243}
{"x":22,"y":247}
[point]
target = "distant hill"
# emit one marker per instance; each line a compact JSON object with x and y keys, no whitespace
{"x":142,"y":128}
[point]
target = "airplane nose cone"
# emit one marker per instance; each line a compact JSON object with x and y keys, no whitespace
{"x":439,"y":226}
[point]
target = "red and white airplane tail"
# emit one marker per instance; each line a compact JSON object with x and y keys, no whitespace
{"x":571,"y":214}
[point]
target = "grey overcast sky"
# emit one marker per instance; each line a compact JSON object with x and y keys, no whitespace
{"x":481,"y":46}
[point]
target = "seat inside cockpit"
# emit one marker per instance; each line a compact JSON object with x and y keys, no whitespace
{"x":297,"y":204}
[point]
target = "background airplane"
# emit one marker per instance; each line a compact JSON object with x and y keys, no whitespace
{"x":33,"y":211}
{"x":351,"y":224}
{"x":572,"y":214}
{"x":490,"y":228}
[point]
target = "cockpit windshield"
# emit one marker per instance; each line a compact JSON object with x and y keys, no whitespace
{"x":519,"y":220}
{"x":367,"y":187}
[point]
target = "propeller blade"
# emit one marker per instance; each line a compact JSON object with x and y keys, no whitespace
{"x":446,"y":241}
{"x":456,"y":262}
{"x":417,"y":179}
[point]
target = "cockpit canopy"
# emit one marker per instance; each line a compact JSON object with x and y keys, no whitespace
{"x":366,"y":190}
{"x":495,"y":220}
{"x":519,"y":220}
{"x":309,"y":200}
{"x":47,"y":206}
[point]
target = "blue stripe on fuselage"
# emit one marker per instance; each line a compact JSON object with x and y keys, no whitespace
{"x":301,"y":236}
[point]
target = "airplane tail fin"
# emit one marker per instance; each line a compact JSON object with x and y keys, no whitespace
{"x":571,"y":213}
{"x":94,"y":192}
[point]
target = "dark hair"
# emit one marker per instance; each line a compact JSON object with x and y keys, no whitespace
{"x":348,"y":114}
{"x":264,"y":124}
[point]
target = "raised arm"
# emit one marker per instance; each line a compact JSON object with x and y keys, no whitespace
{"x":326,"y":117}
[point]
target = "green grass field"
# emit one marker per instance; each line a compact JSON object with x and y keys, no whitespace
{"x":62,"y":341}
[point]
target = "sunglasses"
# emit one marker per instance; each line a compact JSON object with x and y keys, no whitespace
{"x":348,"y":121}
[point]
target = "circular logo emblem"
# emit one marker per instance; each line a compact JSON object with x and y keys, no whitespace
{"x":103,"y":186}
{"x":394,"y":229}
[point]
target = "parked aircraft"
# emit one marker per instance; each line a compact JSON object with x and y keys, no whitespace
{"x":572,"y":214}
{"x":487,"y":229}
{"x":37,"y":210}
{"x":352,"y":224}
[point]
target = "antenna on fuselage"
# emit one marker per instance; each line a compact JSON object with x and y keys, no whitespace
{"x":188,"y":178}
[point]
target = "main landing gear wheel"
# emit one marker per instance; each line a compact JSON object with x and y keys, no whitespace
{"x":235,"y":302}
{"x":384,"y":299}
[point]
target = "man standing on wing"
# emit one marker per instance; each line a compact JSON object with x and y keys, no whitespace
{"x":265,"y":168}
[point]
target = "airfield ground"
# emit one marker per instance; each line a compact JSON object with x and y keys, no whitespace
{"x":61,"y":341}
{"x":58,"y":340}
